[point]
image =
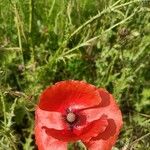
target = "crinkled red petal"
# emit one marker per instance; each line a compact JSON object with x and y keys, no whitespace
{"x":46,"y":142}
{"x":106,"y":139}
{"x":85,"y":134}
{"x":72,"y":94}
{"x":108,"y":107}
{"x":94,"y":129}
{"x":49,"y":119}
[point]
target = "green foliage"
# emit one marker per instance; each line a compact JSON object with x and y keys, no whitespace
{"x":105,"y":43}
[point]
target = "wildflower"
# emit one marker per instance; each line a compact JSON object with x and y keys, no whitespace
{"x":70,"y":111}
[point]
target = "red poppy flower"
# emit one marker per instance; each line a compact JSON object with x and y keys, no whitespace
{"x":70,"y":111}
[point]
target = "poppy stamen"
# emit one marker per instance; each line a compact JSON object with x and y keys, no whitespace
{"x":70,"y":117}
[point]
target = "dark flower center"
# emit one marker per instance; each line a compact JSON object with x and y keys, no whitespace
{"x":70,"y":117}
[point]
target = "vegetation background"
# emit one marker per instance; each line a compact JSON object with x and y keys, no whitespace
{"x":106,"y":43}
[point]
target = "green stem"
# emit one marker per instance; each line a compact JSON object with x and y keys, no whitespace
{"x":86,"y":43}
{"x":18,"y":30}
{"x":4,"y":109}
{"x":108,"y":9}
{"x":30,"y":15}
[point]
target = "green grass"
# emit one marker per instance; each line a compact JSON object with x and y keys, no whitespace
{"x":106,"y":43}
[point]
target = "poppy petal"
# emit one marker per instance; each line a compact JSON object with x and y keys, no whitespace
{"x":49,"y":119}
{"x":108,"y":107}
{"x":93,"y":129}
{"x":46,"y":142}
{"x":105,"y":140}
{"x":72,"y":94}
{"x":85,"y":134}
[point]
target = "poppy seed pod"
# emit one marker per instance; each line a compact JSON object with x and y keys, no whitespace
{"x":70,"y":111}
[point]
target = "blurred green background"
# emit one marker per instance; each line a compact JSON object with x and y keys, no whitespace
{"x":106,"y":43}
